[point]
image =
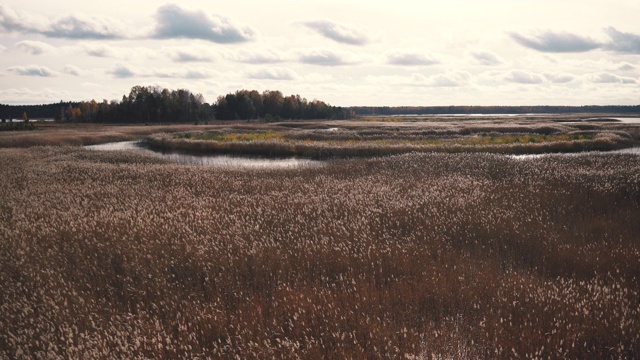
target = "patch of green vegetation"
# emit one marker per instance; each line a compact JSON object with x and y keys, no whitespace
{"x":521,"y":139}
{"x":234,"y":137}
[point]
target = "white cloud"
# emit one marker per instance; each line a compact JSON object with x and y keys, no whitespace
{"x":626,"y":67}
{"x":411,"y":58}
{"x":34,"y":47}
{"x":608,"y":78}
{"x":556,"y":42}
{"x":74,"y":26}
{"x":32,"y":70}
{"x":327,"y":58}
{"x":345,"y":34}
{"x":175,"y":22}
{"x":277,"y":73}
{"x":559,"y":78}
{"x":448,"y":79}
{"x":257,"y":56}
{"x":523,"y":77}
{"x":123,"y":71}
{"x":72,"y":70}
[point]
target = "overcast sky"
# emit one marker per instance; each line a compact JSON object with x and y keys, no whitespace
{"x":347,"y":52}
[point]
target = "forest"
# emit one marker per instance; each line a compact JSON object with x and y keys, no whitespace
{"x":149,"y":104}
{"x":536,"y":109}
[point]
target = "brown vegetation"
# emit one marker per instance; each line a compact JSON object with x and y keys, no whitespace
{"x":364,"y":139}
{"x":118,"y":254}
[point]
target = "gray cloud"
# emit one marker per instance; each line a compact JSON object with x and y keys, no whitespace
{"x":193,"y":74}
{"x":557,"y":42}
{"x":607,"y":78}
{"x":411,"y":59}
{"x":101,"y":50}
{"x":122,"y":72}
{"x":32,"y":70}
{"x":175,"y":22}
{"x":325,"y":58}
{"x":72,"y":70}
{"x":523,"y":77}
{"x":338,"y":32}
{"x":2,"y":48}
{"x":79,"y":27}
{"x":626,"y":67}
{"x":75,"y":26}
{"x":189,"y":56}
{"x":486,"y":58}
{"x":34,"y":47}
{"x":274,"y":74}
{"x":623,"y":42}
{"x":559,"y":78}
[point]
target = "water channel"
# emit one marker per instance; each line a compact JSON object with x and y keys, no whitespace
{"x":210,"y":160}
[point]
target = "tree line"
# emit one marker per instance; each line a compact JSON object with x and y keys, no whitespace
{"x":536,"y":109}
{"x":150,"y":104}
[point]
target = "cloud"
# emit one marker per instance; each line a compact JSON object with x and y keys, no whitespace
{"x":121,"y":71}
{"x":409,"y":58}
{"x":559,"y":78}
{"x":185,"y":73}
{"x":523,"y":77}
{"x":175,"y":22}
{"x":556,"y":42}
{"x":34,"y":47}
{"x":338,"y":32}
{"x":101,"y":50}
{"x":277,"y":73}
{"x":257,"y":56}
{"x":74,"y":26}
{"x":72,"y":70}
{"x":623,"y":42}
{"x":32,"y":70}
{"x":449,"y":79}
{"x":607,"y":78}
{"x":191,"y":56}
{"x":486,"y":58}
{"x":626,"y":67}
{"x":327,"y":58}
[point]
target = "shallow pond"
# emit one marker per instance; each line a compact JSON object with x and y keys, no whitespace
{"x":210,"y":160}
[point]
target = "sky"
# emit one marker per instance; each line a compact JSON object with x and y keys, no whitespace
{"x":346,"y":53}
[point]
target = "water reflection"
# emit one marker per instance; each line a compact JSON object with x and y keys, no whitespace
{"x":210,"y":160}
{"x":261,"y":163}
{"x":633,"y":151}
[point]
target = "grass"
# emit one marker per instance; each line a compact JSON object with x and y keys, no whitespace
{"x":412,"y":256}
{"x":421,"y":255}
{"x":15,"y":126}
{"x":371,"y":141}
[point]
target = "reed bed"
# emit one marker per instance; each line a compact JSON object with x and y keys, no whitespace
{"x":415,"y":256}
{"x":342,"y":143}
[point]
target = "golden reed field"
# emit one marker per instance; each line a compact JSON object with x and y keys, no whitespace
{"x":122,"y":254}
